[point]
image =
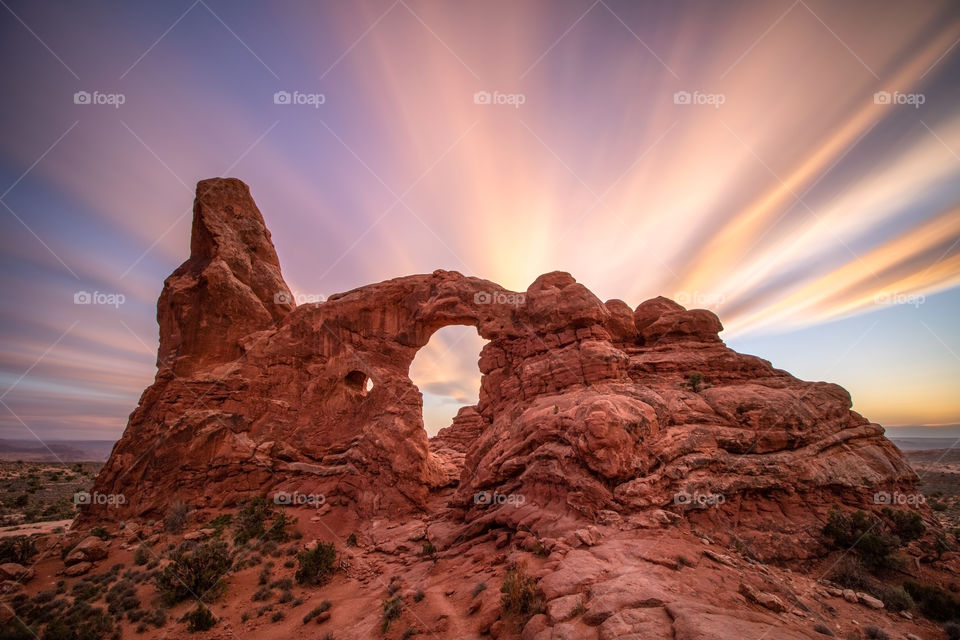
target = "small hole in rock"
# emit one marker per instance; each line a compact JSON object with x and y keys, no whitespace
{"x":356,"y":381}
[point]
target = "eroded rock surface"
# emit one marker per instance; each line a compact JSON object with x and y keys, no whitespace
{"x":585,"y":406}
{"x":603,"y":437}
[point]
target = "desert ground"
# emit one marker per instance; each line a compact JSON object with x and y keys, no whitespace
{"x":450,"y":589}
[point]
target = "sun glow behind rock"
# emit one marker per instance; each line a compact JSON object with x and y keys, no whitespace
{"x":797,"y":202}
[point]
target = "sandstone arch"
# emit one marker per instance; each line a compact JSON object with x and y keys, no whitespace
{"x":583,"y":407}
{"x":447,"y":374}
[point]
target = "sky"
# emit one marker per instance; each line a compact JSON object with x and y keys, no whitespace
{"x":793,"y":166}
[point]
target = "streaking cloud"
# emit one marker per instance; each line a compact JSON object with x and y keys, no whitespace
{"x":784,"y":194}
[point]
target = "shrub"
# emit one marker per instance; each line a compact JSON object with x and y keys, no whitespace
{"x":122,"y":597}
{"x":521,"y":597}
{"x":196,"y":570}
{"x":352,"y":540}
{"x":221,"y":522}
{"x":428,"y":549}
{"x":480,"y":588}
{"x":316,"y":565}
{"x":263,"y":593}
{"x":896,"y":599}
{"x":844,"y":530}
{"x":875,"y":633}
{"x":278,"y":528}
{"x":251,"y":520}
{"x":80,"y":622}
{"x":85,"y":590}
{"x":393,"y":586}
{"x":157,"y":618}
{"x":908,"y":525}
{"x":142,"y":555}
{"x":277,"y":616}
{"x":313,"y":613}
{"x":16,"y":630}
{"x":419,"y":595}
{"x":849,"y":574}
{"x":392,"y":608}
{"x":176,"y":518}
{"x":941,"y":544}
{"x":865,"y":535}
{"x":100,"y":532}
{"x":200,"y":619}
{"x":952,"y":629}
{"x":19,"y":549}
{"x":933,"y":602}
{"x":695,"y":381}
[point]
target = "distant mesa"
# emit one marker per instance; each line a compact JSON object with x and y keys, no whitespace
{"x":56,"y":450}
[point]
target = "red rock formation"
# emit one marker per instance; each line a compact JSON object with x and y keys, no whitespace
{"x":633,"y":461}
{"x":227,"y":289}
{"x":585,"y":407}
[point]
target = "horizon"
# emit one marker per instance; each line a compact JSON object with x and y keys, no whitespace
{"x":683,"y":150}
{"x":926,"y":431}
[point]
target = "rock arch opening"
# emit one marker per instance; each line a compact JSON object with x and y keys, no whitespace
{"x":446,"y":372}
{"x":358,"y":382}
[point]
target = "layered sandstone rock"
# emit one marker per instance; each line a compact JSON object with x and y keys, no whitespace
{"x":227,"y":289}
{"x":586,"y":407}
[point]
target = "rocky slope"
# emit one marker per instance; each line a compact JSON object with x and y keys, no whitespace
{"x":656,"y":483}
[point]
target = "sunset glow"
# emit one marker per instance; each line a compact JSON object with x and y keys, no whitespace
{"x":818,"y":220}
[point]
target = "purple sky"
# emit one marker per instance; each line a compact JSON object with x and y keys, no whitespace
{"x":817,"y":217}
